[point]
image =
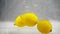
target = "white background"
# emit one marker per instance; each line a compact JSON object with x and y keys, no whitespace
{"x":8,"y":28}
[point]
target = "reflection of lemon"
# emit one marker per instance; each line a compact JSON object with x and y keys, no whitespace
{"x":30,"y":19}
{"x":18,"y":22}
{"x":44,"y":26}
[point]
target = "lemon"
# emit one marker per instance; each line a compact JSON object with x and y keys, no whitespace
{"x":30,"y":19}
{"x":44,"y":26}
{"x":18,"y":22}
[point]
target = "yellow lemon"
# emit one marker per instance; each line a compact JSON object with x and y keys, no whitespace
{"x":30,"y":19}
{"x":18,"y":22}
{"x":44,"y":26}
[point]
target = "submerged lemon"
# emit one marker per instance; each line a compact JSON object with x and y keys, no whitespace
{"x":44,"y":26}
{"x":30,"y":19}
{"x":18,"y":22}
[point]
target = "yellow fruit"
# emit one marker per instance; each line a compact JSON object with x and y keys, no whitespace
{"x":18,"y":22}
{"x":44,"y":26}
{"x":30,"y":19}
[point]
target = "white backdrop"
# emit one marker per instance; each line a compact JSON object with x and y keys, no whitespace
{"x":7,"y":27}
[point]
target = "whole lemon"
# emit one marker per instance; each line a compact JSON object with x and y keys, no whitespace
{"x":30,"y":19}
{"x":44,"y":26}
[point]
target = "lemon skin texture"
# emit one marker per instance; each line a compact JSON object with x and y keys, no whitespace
{"x":18,"y":22}
{"x":44,"y":26}
{"x":30,"y":19}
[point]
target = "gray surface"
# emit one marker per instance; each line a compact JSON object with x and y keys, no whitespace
{"x":47,"y":9}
